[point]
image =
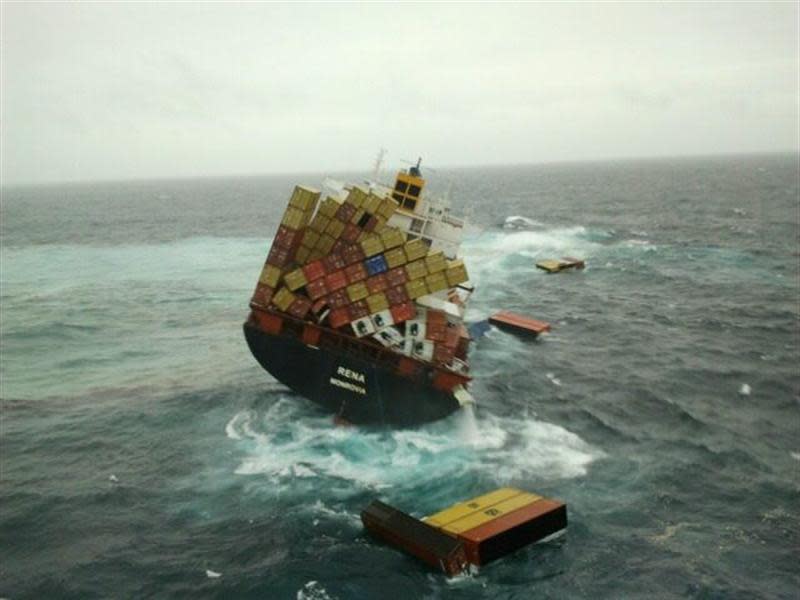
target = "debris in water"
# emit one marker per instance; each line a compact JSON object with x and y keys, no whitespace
{"x":113,"y":478}
{"x":212,"y":574}
{"x":744,"y":390}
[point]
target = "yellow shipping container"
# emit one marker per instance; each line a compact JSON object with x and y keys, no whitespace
{"x":372,"y":245}
{"x":371,"y":203}
{"x":335,"y":228}
{"x":436,"y":282}
{"x":491,"y":513}
{"x":468,"y":507}
{"x":329,"y":207}
{"x":415,"y":249}
{"x":319,"y":223}
{"x":416,"y":269}
{"x":377,"y":303}
{"x":357,"y":291}
{"x":357,"y":216}
{"x":302,"y":254}
{"x":310,"y":237}
{"x":283,"y":298}
{"x":325,"y":243}
{"x":435,"y":261}
{"x":456,"y":273}
{"x":380,"y":226}
{"x":304,"y":198}
{"x":416,"y":288}
{"x":295,"y":279}
{"x":392,"y":237}
{"x":294,"y":218}
{"x":357,"y":196}
{"x":270,"y":276}
{"x":395,"y":257}
{"x":387,"y":208}
{"x":315,"y":254}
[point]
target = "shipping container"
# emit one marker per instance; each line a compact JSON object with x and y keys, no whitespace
{"x":416,"y":288}
{"x":346,"y":211}
{"x":403,"y":312}
{"x":338,"y":298}
{"x":382,"y":319}
{"x":314,"y":270}
{"x":316,"y":289}
{"x":328,"y":207}
{"x":372,"y":245}
{"x":335,"y":228}
{"x":436,"y":282}
{"x":350,"y":233}
{"x":397,"y":276}
{"x":353,"y":254}
{"x":294,"y":218}
{"x":376,"y":264}
{"x":283,"y":298}
{"x":387,"y":208}
{"x":415,"y":249}
{"x":435,"y":262}
{"x":416,"y":269}
{"x":262,"y":295}
{"x":304,"y":198}
{"x":511,"y":531}
{"x":294,"y":280}
{"x":396,"y":295}
{"x":377,"y":302}
{"x":358,"y":309}
{"x":377,"y":283}
{"x":355,"y":272}
{"x":333,"y":262}
{"x":339,"y":317}
{"x":336,"y":280}
{"x":270,"y":275}
{"x":456,"y":273}
{"x":357,"y":291}
{"x":390,"y":337}
{"x":279,"y":257}
{"x":395,"y":257}
{"x":371,"y":203}
{"x":319,"y":223}
{"x":325,"y":243}
{"x":300,"y":307}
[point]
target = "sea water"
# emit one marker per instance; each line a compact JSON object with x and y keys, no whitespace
{"x":144,"y":453}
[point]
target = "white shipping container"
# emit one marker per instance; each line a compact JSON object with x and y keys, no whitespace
{"x":363,"y":326}
{"x":383,"y":319}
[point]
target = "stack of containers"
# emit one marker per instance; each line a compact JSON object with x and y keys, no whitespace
{"x":341,"y":265}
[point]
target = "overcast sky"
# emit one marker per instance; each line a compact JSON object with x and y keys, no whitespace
{"x":135,"y":90}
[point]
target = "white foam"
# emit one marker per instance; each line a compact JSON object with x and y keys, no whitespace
{"x":313,"y":590}
{"x":212,"y":574}
{"x":292,"y":451}
{"x":745,"y":390}
{"x":553,"y":379}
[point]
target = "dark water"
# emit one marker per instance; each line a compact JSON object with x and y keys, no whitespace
{"x":143,"y":446}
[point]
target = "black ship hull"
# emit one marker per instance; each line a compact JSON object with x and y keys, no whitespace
{"x":353,"y":389}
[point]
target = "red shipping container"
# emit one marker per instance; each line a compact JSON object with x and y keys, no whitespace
{"x":377,"y":283}
{"x":371,"y":224}
{"x":287,"y":238}
{"x":333,"y":262}
{"x":403,"y":312}
{"x":353,"y":254}
{"x":336,"y":281}
{"x":436,"y":332}
{"x":339,"y":246}
{"x":396,"y":276}
{"x":338,"y":299}
{"x":338,"y":317}
{"x":358,"y":310}
{"x":279,"y":257}
{"x":319,"y":306}
{"x":317,"y":288}
{"x":408,"y":366}
{"x":442,"y":353}
{"x":314,"y":270}
{"x":396,"y":295}
{"x":300,"y":307}
{"x":262,"y":296}
{"x":268,"y":322}
{"x":350,"y":233}
{"x":355,"y":272}
{"x":436,"y":317}
{"x":311,"y":335}
{"x":345,"y":212}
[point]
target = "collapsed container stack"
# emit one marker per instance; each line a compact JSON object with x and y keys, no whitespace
{"x":341,"y":265}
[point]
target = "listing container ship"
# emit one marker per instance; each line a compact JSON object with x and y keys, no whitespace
{"x":360,"y":304}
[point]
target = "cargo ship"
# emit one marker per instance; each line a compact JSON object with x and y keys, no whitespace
{"x":359,"y":306}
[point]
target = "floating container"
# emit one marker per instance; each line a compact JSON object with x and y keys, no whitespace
{"x":519,"y":324}
{"x":497,"y":523}
{"x":554,"y":265}
{"x":435,"y":548}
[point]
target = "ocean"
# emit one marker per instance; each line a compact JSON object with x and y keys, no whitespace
{"x":144,"y":453}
